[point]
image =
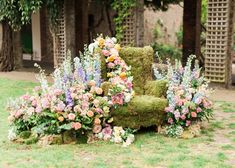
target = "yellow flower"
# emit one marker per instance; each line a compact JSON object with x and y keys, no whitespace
{"x":101,"y":42}
{"x":109,"y":75}
{"x":61,"y":119}
{"x":117,"y":47}
{"x":122,"y":75}
{"x":111,"y":58}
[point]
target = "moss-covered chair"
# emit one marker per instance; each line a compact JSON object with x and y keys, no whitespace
{"x":147,"y":106}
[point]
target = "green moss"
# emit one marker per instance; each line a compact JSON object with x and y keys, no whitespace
{"x":25,"y":134}
{"x":140,"y":60}
{"x":106,"y":86}
{"x":156,"y":88}
{"x":141,"y":111}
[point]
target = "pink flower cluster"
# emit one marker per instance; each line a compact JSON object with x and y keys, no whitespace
{"x":119,"y":74}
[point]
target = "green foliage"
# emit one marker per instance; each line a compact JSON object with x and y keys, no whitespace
{"x":166,"y":51}
{"x":204,"y":11}
{"x":123,"y":9}
{"x":160,"y":4}
{"x":179,"y":35}
{"x":18,"y":12}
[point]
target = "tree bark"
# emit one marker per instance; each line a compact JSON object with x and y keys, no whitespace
{"x":6,"y":53}
{"x":17,"y":50}
{"x":191,"y":29}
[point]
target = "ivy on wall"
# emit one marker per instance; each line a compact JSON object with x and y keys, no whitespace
{"x":123,"y":9}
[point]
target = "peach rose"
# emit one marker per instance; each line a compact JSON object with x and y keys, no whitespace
{"x":99,"y":91}
{"x":97,"y":129}
{"x":97,"y":121}
{"x":76,"y":125}
{"x":71,"y":116}
{"x":90,"y":114}
{"x":61,"y":119}
{"x":194,"y":114}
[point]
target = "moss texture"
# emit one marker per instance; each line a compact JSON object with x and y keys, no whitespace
{"x":140,"y":59}
{"x":156,"y":88}
{"x":142,"y":111}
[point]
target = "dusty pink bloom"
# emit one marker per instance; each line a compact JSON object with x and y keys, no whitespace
{"x":183,"y":117}
{"x":111,"y":65}
{"x":105,"y":53}
{"x":34,"y":103}
{"x":71,"y":116}
{"x":25,"y":97}
{"x":199,"y":110}
{"x":107,"y":132}
{"x":99,"y":110}
{"x":60,"y":107}
{"x":76,"y":125}
{"x":118,"y":99}
{"x":194,"y":114}
{"x":188,"y":123}
{"x":97,"y":129}
{"x":45,"y":103}
{"x":38,"y":109}
{"x":170,"y":121}
{"x":58,"y":92}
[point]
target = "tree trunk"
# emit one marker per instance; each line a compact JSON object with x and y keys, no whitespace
{"x":191,"y":29}
{"x":17,"y":50}
{"x":6,"y":53}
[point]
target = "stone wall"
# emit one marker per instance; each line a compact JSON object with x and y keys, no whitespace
{"x":171,"y":19}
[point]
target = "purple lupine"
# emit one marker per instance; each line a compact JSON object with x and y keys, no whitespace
{"x":69,"y":99}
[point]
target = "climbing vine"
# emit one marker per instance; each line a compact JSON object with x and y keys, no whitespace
{"x":123,"y":9}
{"x":18,"y":12}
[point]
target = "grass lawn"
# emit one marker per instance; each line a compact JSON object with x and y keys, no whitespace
{"x":215,"y":148}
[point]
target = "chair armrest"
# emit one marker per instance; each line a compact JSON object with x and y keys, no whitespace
{"x":156,"y":88}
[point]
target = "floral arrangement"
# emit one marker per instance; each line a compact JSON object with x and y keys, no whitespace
{"x":187,"y":96}
{"x":119,"y":73}
{"x":75,"y":101}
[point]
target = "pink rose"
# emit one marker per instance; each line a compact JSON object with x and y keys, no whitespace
{"x":34,"y":103}
{"x":76,"y":125}
{"x":111,"y":65}
{"x":118,"y":99}
{"x":60,"y":107}
{"x":188,"y":123}
{"x":25,"y":97}
{"x":97,"y":129}
{"x":38,"y":109}
{"x":71,"y":116}
{"x":99,"y":110}
{"x":105,"y":53}
{"x":170,"y":120}
{"x":183,"y":117}
{"x":194,"y":114}
{"x":199,"y":110}
{"x":58,"y":92}
{"x":45,"y":103}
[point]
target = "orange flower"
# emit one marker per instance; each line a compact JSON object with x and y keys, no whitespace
{"x":111,"y":58}
{"x":122,"y":75}
{"x":61,"y":119}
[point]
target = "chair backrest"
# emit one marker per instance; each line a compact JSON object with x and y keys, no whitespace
{"x":140,"y":59}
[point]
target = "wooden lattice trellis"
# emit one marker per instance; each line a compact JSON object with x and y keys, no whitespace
{"x":218,"y":41}
{"x":59,"y":40}
{"x":134,"y":27}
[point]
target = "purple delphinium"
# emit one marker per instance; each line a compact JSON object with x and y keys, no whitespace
{"x":69,"y":99}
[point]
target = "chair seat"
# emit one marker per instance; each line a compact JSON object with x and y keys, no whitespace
{"x":142,"y":111}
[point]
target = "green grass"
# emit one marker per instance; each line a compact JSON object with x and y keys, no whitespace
{"x":149,"y":149}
